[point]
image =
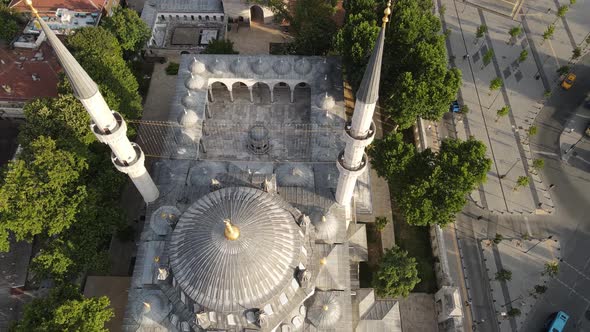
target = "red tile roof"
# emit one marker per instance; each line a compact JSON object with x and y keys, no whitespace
{"x":18,"y":74}
{"x":44,"y":6}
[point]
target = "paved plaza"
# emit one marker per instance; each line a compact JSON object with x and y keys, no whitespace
{"x":525,"y":84}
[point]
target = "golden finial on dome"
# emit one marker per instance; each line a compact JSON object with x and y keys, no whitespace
{"x":325,"y":307}
{"x":231,"y":232}
{"x":387,"y":12}
{"x":323,"y":261}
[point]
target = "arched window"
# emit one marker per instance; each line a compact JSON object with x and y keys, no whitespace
{"x":207,"y":18}
{"x":221,"y":18}
{"x":214,"y":18}
{"x":185,"y":18}
{"x":200,"y":17}
{"x":192,"y":17}
{"x":163,"y":18}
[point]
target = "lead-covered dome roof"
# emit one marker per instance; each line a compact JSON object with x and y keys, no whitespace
{"x":222,"y":274}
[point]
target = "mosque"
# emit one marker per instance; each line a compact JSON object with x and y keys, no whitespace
{"x":252,"y":216}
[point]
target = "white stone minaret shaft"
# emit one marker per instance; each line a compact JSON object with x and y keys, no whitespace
{"x":108,"y":126}
{"x":359,"y":133}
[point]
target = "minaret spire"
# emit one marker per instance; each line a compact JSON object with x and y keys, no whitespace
{"x":360,"y":132}
{"x":108,"y":126}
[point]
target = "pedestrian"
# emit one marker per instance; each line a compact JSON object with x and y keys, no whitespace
{"x":466,"y":56}
{"x":479,"y":217}
{"x":548,"y":10}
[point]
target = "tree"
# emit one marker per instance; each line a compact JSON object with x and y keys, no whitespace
{"x":481,"y":30}
{"x":107,"y":68}
{"x":502,"y":112}
{"x":397,"y":274}
{"x":496,"y":84}
{"x":513,"y":312}
{"x":487,"y":57}
{"x":576,"y":53}
{"x":523,"y":55}
{"x":65,"y":309}
{"x":41,"y":196}
{"x":522,"y":181}
{"x":129,"y":29}
{"x":540,"y":289}
{"x":563,"y":70}
{"x":432,"y":188}
{"x":220,"y":46}
{"x":313,"y":26}
{"x":549,"y":32}
{"x":562,"y":10}
{"x":504,"y":275}
{"x":464,"y":109}
{"x":416,"y":80}
{"x":515,"y":31}
{"x":380,"y":223}
{"x":390,"y":156}
{"x":551,"y":269}
{"x":498,"y":238}
{"x":9,"y":23}
{"x":538,"y":164}
{"x":172,"y":68}
{"x":355,"y":42}
{"x":532,"y":130}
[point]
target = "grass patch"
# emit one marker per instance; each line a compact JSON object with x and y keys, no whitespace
{"x":172,"y":68}
{"x":416,"y":240}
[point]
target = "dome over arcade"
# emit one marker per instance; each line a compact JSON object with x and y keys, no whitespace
{"x":325,"y":101}
{"x":239,"y":67}
{"x":195,"y":82}
{"x":190,"y":101}
{"x":197,"y":67}
{"x":188,"y":118}
{"x":218,"y":67}
{"x":260,"y":67}
{"x":281,"y":67}
{"x":294,"y":175}
{"x":302,"y":66}
{"x":235,"y":248}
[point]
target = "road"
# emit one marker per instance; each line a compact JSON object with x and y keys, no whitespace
{"x":571,"y":223}
{"x":570,"y":291}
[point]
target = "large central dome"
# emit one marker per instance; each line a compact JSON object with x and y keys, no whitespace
{"x":225,"y":273}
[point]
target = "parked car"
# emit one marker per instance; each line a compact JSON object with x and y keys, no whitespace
{"x":455,"y":107}
{"x":569,"y":80}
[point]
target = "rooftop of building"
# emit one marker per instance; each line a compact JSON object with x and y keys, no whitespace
{"x":28,"y":74}
{"x":48,"y":6}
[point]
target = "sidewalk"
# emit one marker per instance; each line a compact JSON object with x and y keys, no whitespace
{"x":573,"y":137}
{"x":506,"y":138}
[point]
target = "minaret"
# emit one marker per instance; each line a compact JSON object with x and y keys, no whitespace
{"x":108,"y":126}
{"x":359,"y":133}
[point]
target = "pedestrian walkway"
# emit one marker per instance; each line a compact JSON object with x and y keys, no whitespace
{"x":497,"y":55}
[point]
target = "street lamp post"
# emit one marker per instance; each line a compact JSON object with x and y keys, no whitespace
{"x":541,"y":241}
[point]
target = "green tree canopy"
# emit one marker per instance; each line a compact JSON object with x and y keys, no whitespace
{"x":65,"y":309}
{"x":43,"y":195}
{"x":9,"y":22}
{"x":129,"y":29}
{"x":107,"y":68}
{"x":313,"y":26}
{"x":220,"y":46}
{"x":397,"y":274}
{"x":430,"y":188}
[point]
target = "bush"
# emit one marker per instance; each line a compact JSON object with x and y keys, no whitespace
{"x":563,"y":70}
{"x":496,"y":84}
{"x":464,"y":109}
{"x":576,"y":53}
{"x":515,"y":31}
{"x":523,"y":55}
{"x":481,"y":30}
{"x":380,"y":223}
{"x":533,"y":130}
{"x":172,"y":68}
{"x":540,"y":289}
{"x":551,"y":269}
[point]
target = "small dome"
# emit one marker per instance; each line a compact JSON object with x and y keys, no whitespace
{"x":163,"y":218}
{"x":239,"y":67}
{"x":294,"y":175}
{"x":188,"y":118}
{"x":325,"y":101}
{"x":281,"y":67}
{"x":326,"y":224}
{"x":260,"y":67}
{"x":325,"y":311}
{"x":194,"y":82}
{"x":218,"y":67}
{"x":190,"y":101}
{"x":302,"y":66}
{"x":152,"y":306}
{"x":324,"y":83}
{"x":258,"y":132}
{"x":197,"y":67}
{"x":202,"y":173}
{"x":324,"y":67}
